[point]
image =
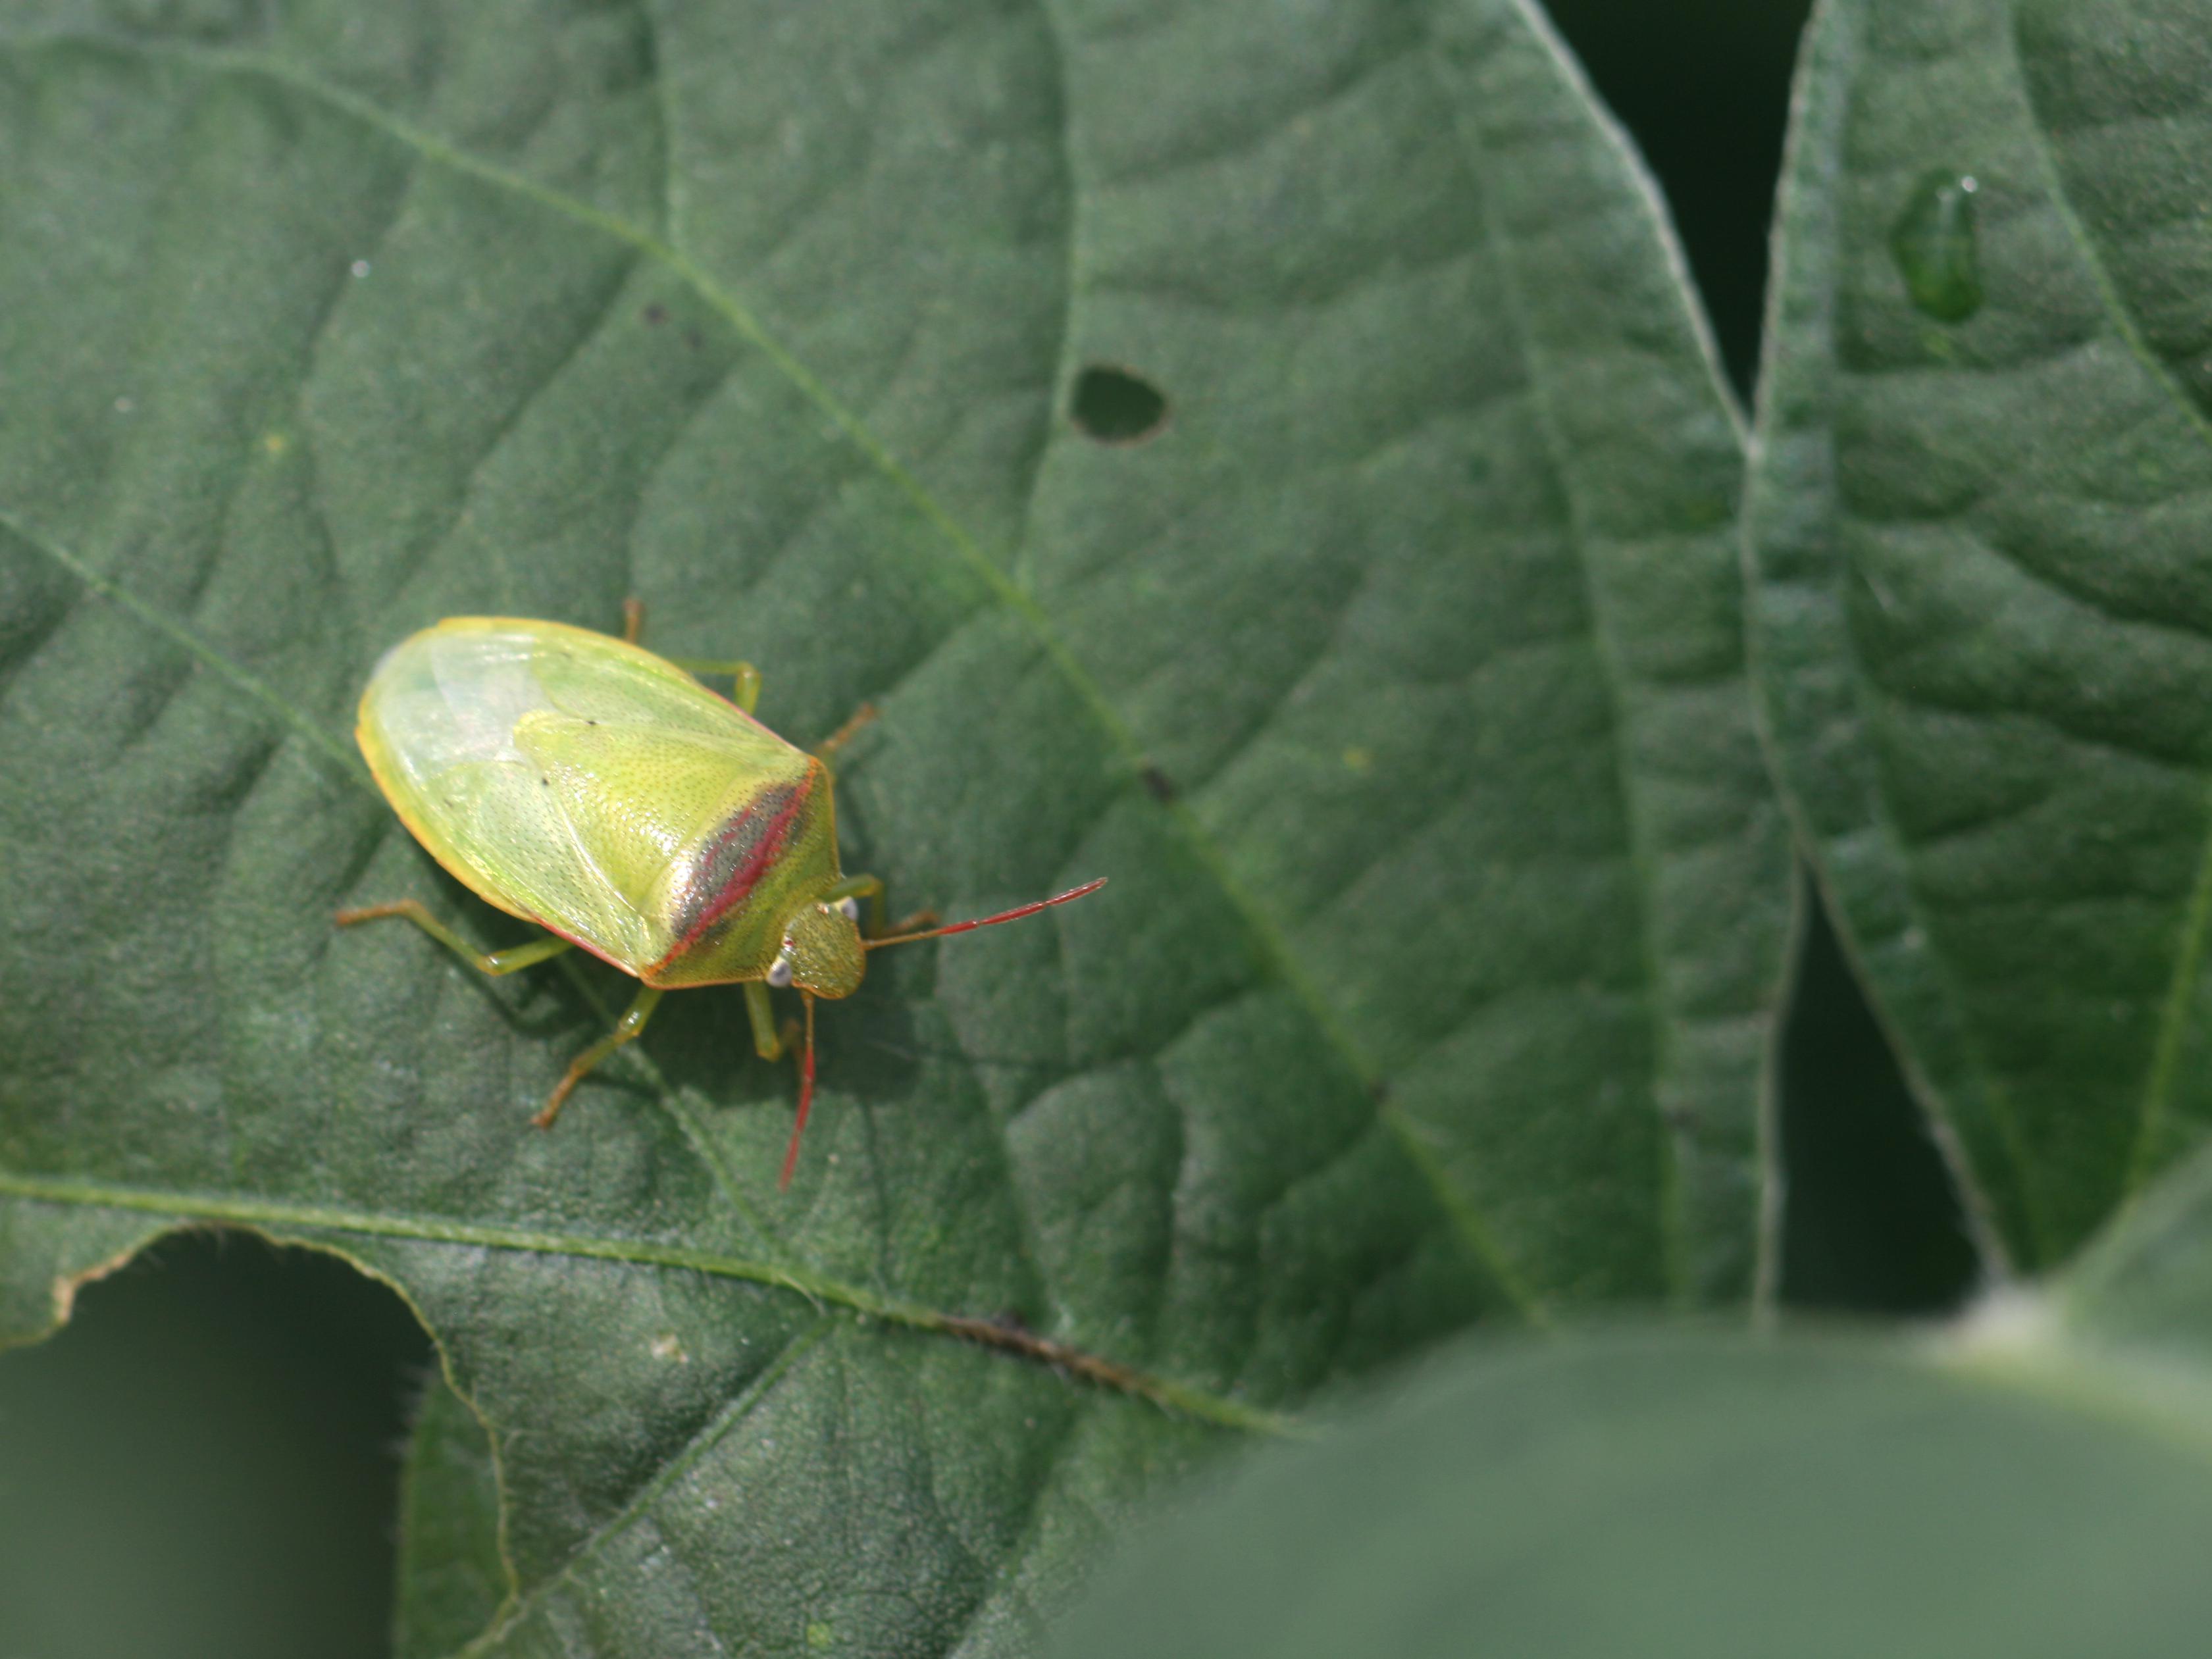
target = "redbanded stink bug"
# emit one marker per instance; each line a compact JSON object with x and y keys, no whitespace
{"x":602,"y":793}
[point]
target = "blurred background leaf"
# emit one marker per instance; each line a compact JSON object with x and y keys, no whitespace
{"x":2034,"y":1480}
{"x":1663,"y":1494}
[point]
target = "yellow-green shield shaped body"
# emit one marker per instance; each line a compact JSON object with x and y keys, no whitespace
{"x":595,"y":789}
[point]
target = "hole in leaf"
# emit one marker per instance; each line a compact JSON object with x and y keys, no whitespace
{"x":205,"y":1459}
{"x":1116,"y":407}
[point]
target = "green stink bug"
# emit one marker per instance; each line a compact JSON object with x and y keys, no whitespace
{"x":585,"y":785}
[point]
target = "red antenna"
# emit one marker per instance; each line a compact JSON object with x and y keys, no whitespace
{"x":806,"y":1062}
{"x":805,"y":1096}
{"x":1015,"y":915}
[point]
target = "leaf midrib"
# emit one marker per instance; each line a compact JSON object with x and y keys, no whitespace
{"x":816,"y":1288}
{"x":1273,"y":946}
{"x":1674,"y":1215}
{"x":520,"y":1602}
{"x":1832,"y":29}
{"x":2193,"y":930}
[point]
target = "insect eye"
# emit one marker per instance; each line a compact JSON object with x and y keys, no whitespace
{"x":779,"y":972}
{"x":849,"y":908}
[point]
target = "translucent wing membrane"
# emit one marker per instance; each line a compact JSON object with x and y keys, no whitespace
{"x":561,"y":775}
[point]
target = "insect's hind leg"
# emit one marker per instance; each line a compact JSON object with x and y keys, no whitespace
{"x":627,"y":1030}
{"x":745,"y":693}
{"x":493,"y":962}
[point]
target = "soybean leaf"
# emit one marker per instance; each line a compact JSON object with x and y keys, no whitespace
{"x":453,"y":1582}
{"x":1273,"y":464}
{"x":1979,"y":514}
{"x":2032,"y":1480}
{"x":1653,"y":1494}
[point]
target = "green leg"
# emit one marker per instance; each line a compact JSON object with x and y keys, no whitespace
{"x":745,"y":693}
{"x":626,"y":1031}
{"x":774,"y":1045}
{"x":826,"y":752}
{"x":870,"y":888}
{"x":498,"y":962}
{"x":768,"y":1042}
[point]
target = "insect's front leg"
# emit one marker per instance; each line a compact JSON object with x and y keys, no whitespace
{"x":870,"y":888}
{"x":768,"y":1042}
{"x":773,"y":1044}
{"x":495,"y":962}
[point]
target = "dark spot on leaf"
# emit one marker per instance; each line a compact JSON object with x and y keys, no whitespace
{"x":1379,"y":1091}
{"x":656,"y":314}
{"x":694,"y":339}
{"x":1157,"y":784}
{"x":1117,"y":407}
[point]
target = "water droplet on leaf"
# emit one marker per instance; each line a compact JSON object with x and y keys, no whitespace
{"x":1933,"y":243}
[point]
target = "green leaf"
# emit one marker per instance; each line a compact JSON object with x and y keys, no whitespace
{"x":452,"y":1580}
{"x":2035,"y":1481}
{"x":1392,"y":674}
{"x":1661,"y":1495}
{"x":1978,"y":515}
{"x":2146,"y":1285}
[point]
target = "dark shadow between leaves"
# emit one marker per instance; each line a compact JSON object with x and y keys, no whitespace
{"x":1873,"y":1224}
{"x":205,"y":1460}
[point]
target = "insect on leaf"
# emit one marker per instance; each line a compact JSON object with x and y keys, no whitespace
{"x":1392,"y":675}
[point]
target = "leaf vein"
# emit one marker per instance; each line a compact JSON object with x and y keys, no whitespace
{"x":740,"y":1407}
{"x":817,"y":1288}
{"x":1267,"y":934}
{"x":255,"y":688}
{"x":2197,"y":920}
{"x":1674,"y":1218}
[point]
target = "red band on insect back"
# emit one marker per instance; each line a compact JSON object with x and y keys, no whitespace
{"x":765,"y":844}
